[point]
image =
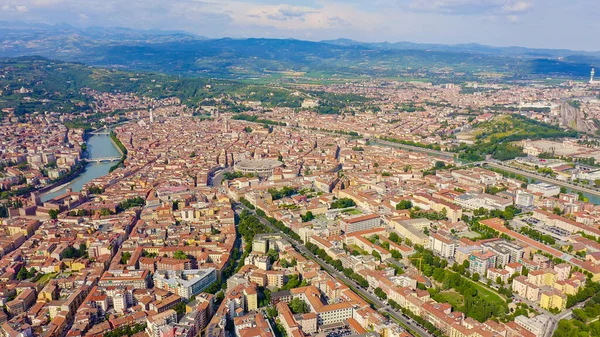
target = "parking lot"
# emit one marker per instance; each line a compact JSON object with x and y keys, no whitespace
{"x":339,"y":333}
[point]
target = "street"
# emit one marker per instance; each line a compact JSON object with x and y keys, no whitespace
{"x":378,"y":304}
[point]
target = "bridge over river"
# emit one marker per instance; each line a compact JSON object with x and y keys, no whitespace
{"x":103,"y":159}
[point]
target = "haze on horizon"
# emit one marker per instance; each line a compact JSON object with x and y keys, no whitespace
{"x":528,"y":23}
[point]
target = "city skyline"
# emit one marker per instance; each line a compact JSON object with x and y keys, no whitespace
{"x":525,"y":23}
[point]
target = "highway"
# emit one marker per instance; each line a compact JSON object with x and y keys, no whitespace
{"x":415,"y":148}
{"x":540,"y":177}
{"x":417,"y":330}
{"x":497,"y":164}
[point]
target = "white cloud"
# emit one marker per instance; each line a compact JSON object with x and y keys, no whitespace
{"x":519,"y":6}
{"x":428,"y":21}
{"x":471,"y":7}
{"x":15,"y":8}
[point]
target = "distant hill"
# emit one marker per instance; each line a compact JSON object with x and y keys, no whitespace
{"x":185,"y":54}
{"x":469,"y":48}
{"x":65,"y":41}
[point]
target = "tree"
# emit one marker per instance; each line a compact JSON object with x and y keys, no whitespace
{"x":380,"y":293}
{"x":247,"y":129}
{"x":293,"y":282}
{"x":272,"y":312}
{"x":343,"y":203}
{"x":180,"y":255}
{"x":53,"y":213}
{"x":475,"y":277}
{"x":125,"y":257}
{"x":273,"y":255}
{"x":22,"y":274}
{"x":307,"y":217}
{"x":404,"y":204}
{"x":180,"y":308}
{"x":376,"y":255}
{"x":395,"y":238}
{"x":298,"y":306}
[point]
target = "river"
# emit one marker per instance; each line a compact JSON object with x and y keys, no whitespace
{"x":98,"y":146}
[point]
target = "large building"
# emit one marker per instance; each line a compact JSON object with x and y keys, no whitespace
{"x":524,"y":199}
{"x":359,"y":223}
{"x":547,"y":190}
{"x":480,"y":262}
{"x":442,"y":246}
{"x":138,"y":279}
{"x":185,"y":283}
{"x":326,"y":313}
{"x":260,"y":167}
{"x":536,"y":325}
{"x":505,"y":251}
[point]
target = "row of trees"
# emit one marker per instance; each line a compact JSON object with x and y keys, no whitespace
{"x":426,"y":324}
{"x":121,"y":162}
{"x":278,"y":224}
{"x":131,"y":202}
{"x":286,"y":191}
{"x":12,"y":203}
{"x":536,"y":235}
{"x":337,"y":264}
{"x":128,"y":330}
{"x":435,"y":147}
{"x":256,"y":119}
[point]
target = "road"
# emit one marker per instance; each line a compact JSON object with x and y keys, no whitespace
{"x":567,"y":314}
{"x":378,"y":304}
{"x":416,"y":148}
{"x":540,"y":177}
{"x":216,"y":177}
{"x":496,"y":164}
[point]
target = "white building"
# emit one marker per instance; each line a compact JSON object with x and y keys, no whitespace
{"x":487,"y":201}
{"x":360,"y":223}
{"x":536,"y":325}
{"x":442,"y":246}
{"x":547,"y":190}
{"x":185,"y":283}
{"x":524,"y":199}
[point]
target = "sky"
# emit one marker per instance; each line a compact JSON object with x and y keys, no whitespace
{"x":571,"y":24}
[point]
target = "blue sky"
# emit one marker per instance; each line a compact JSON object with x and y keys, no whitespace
{"x":572,"y":24}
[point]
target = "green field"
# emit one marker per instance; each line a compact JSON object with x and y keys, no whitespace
{"x":44,"y":279}
{"x":451,"y":297}
{"x":352,"y":212}
{"x":356,"y":248}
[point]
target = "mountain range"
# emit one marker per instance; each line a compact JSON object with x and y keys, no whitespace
{"x":181,"y":53}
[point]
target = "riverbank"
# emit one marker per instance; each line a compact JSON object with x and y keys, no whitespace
{"x":64,"y":180}
{"x":98,"y":146}
{"x":122,"y":150}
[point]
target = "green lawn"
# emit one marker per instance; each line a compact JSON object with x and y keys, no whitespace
{"x":44,"y":279}
{"x":356,"y":248}
{"x":352,"y":212}
{"x":488,"y":293}
{"x":451,"y":297}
